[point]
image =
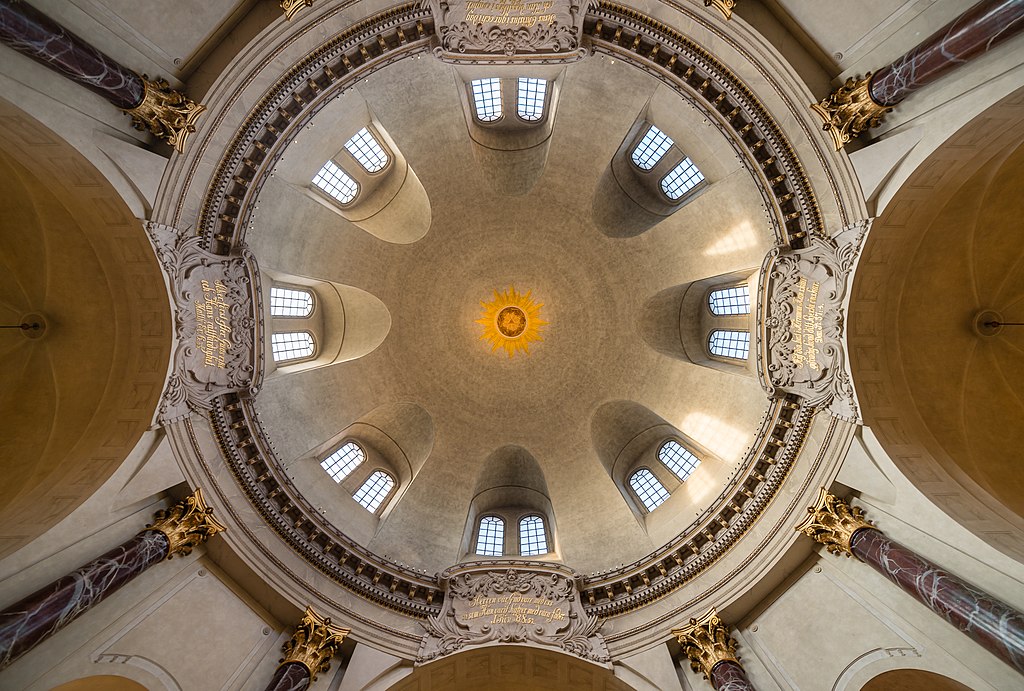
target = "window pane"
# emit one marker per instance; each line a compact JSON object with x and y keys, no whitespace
{"x":291,"y":345}
{"x":285,"y":302}
{"x":343,"y":461}
{"x":367,"y":150}
{"x":335,"y":182}
{"x":530,"y":98}
{"x":532,"y":540}
{"x":730,"y":301}
{"x":490,"y":541}
{"x":651,"y":148}
{"x":678,"y":459}
{"x":487,"y":99}
{"x":374,"y":491}
{"x":681,"y":179}
{"x":733,"y":344}
{"x":651,"y":492}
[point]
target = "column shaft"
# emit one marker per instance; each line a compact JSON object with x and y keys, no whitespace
{"x":291,"y":676}
{"x":976,"y":31}
{"x":729,"y":676}
{"x":32,"y":33}
{"x":992,"y":623}
{"x":51,"y":608}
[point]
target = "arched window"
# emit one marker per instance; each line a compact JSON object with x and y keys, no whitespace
{"x":292,"y":345}
{"x":336,"y":182}
{"x":287,"y":302}
{"x":651,"y":148}
{"x":487,"y":99}
{"x":681,"y":179}
{"x":730,"y":344}
{"x":365,"y":148}
{"x":530,"y":98}
{"x":374,"y":491}
{"x":344,"y":460}
{"x":532,"y":539}
{"x":490,"y":539}
{"x":678,"y":459}
{"x":730,"y":301}
{"x":651,"y":492}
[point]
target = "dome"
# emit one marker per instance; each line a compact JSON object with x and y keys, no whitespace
{"x":604,"y":314}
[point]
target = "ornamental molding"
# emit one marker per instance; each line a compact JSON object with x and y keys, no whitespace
{"x":518,"y":602}
{"x":508,"y":31}
{"x":802,"y":321}
{"x":218,"y":322}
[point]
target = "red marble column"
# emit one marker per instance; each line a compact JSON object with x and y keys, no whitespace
{"x":990,"y":622}
{"x":32,"y":33}
{"x":729,"y":676}
{"x":974,"y":32}
{"x":26,"y":623}
{"x":291,"y":676}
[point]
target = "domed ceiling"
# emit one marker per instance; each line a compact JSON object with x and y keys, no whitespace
{"x":593,"y":286}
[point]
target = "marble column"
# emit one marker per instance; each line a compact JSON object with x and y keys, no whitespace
{"x":712,"y":652}
{"x":152,"y":105}
{"x":861,"y":103}
{"x":35,"y":618}
{"x":307,"y":653}
{"x":988,"y":621}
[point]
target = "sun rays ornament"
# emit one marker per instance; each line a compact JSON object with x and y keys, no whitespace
{"x":511,"y":321}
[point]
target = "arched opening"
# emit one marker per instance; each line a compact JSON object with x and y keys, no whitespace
{"x":101,"y":682}
{"x":913,"y":680}
{"x":79,"y":394}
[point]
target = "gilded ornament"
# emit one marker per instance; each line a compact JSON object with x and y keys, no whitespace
{"x":850,"y":110}
{"x":832,"y":522}
{"x":186,"y":524}
{"x":166,"y":113}
{"x":511,"y":321}
{"x":723,"y":6}
{"x":706,"y":642}
{"x":291,"y":7}
{"x":314,"y":643}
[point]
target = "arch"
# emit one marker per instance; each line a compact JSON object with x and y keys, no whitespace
{"x":936,"y":391}
{"x":913,"y":680}
{"x":101,"y":682}
{"x":510,"y":668}
{"x":77,"y":398}
{"x":510,"y":486}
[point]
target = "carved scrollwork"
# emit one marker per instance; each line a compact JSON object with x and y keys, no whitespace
{"x":218,"y":321}
{"x":464,"y":37}
{"x":523,"y":603}
{"x":804,"y":320}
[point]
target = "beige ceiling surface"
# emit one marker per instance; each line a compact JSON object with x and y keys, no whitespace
{"x":593,"y":288}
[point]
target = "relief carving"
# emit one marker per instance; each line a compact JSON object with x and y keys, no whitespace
{"x":218,"y":322}
{"x":803,"y":319}
{"x":482,"y":31}
{"x":512,"y":602}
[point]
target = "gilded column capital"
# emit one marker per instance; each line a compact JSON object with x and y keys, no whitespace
{"x":291,"y":7}
{"x":706,"y":642}
{"x":186,"y":524}
{"x":166,"y":113}
{"x":850,"y":110}
{"x":314,"y":643}
{"x":832,"y":522}
{"x":723,"y":6}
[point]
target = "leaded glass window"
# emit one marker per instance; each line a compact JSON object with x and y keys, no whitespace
{"x":651,"y":492}
{"x":730,"y":301}
{"x":343,"y":461}
{"x":678,"y":459}
{"x":365,"y":148}
{"x":291,"y":345}
{"x":336,"y":182}
{"x":651,"y":148}
{"x":374,"y":491}
{"x":681,"y":179}
{"x":532,"y":540}
{"x":490,"y":539}
{"x":530,"y":98}
{"x":730,"y":344}
{"x":287,"y":302}
{"x":487,"y":99}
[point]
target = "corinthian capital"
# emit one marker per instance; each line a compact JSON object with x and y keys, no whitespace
{"x":186,"y":524}
{"x":166,"y":113}
{"x":314,"y":643}
{"x":291,"y":7}
{"x":706,"y":642}
{"x":832,"y":522}
{"x":849,"y":110}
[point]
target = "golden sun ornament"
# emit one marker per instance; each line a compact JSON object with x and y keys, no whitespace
{"x":511,"y":321}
